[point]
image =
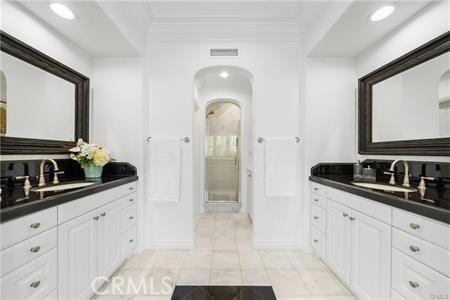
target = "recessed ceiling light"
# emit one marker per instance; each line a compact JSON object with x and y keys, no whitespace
{"x":224,"y":74}
{"x":382,"y":13}
{"x":62,"y":11}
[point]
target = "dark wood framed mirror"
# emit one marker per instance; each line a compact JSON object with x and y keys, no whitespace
{"x":404,"y":106}
{"x":44,"y":103}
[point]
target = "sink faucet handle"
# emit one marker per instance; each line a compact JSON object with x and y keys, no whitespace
{"x":392,"y":179}
{"x":422,"y":185}
{"x":55,"y":176}
{"x":26,"y":184}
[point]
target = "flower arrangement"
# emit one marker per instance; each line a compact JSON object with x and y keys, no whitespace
{"x":91,"y":157}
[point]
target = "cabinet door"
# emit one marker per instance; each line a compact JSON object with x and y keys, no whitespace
{"x":109,"y":234}
{"x":371,"y":257}
{"x":338,"y":240}
{"x":77,"y":261}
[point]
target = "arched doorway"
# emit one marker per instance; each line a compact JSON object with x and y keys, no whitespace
{"x":222,"y":161}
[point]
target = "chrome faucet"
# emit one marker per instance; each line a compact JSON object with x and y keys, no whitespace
{"x":392,"y":173}
{"x":55,"y":169}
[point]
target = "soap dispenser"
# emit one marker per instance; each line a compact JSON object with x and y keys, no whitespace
{"x":357,"y":171}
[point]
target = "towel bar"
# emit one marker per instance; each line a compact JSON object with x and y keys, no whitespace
{"x":185,"y":139}
{"x":261,"y":139}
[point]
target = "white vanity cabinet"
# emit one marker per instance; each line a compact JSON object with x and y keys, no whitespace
{"x":378,"y":251}
{"x":58,"y":252}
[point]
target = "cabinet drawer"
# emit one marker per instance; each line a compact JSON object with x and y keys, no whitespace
{"x":128,"y":242}
{"x":424,"y":228}
{"x":319,"y":200}
{"x":128,"y":217}
{"x":25,"y":227}
{"x":128,"y":200}
{"x":33,"y":281}
{"x":318,"y":217}
{"x":318,"y":242}
{"x":431,"y":255}
{"x":318,"y":189}
{"x":413,"y":280}
{"x":23,"y":252}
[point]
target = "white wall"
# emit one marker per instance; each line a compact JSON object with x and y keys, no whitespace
{"x":274,"y":67}
{"x":429,"y":23}
{"x":117,"y":114}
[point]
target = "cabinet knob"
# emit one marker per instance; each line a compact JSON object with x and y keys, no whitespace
{"x":35,"y":284}
{"x":131,"y":218}
{"x":103,"y":214}
{"x":413,"y":284}
{"x":315,"y":241}
{"x":316,"y":217}
{"x":35,"y":225}
{"x":351,"y":218}
{"x":131,"y":200}
{"x":131,"y":240}
{"x":131,"y":188}
{"x":316,"y":200}
{"x":35,"y":249}
{"x":414,"y":226}
{"x":96,"y":218}
{"x":316,"y":189}
{"x":344,"y":215}
{"x":414,"y":248}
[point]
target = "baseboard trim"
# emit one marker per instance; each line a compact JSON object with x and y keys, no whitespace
{"x":170,"y":245}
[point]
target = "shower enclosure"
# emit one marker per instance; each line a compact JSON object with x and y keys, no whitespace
{"x":223,"y":126}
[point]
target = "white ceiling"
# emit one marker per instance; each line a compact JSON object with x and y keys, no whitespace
{"x":93,"y":29}
{"x":354,"y":32}
{"x":182,"y":20}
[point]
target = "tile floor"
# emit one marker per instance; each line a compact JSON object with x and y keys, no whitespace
{"x":223,"y":254}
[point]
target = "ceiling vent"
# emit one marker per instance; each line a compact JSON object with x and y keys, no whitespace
{"x":223,"y":52}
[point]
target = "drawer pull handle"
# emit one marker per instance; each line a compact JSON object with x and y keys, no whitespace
{"x":414,"y":248}
{"x":414,"y":226}
{"x":315,"y":199}
{"x":103,"y":214}
{"x":131,"y":240}
{"x":131,"y":188}
{"x":35,"y":225}
{"x":131,"y":200}
{"x":35,"y":284}
{"x":352,"y":218}
{"x":96,"y":218}
{"x":35,"y":249}
{"x":131,"y":218}
{"x":345,"y":215}
{"x":316,"y":189}
{"x":413,"y":284}
{"x":315,"y":241}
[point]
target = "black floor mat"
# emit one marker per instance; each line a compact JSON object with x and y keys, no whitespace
{"x":223,"y":293}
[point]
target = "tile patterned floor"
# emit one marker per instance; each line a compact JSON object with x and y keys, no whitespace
{"x":223,"y":254}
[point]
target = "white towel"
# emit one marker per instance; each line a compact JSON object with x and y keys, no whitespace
{"x":165,"y":169}
{"x":280,"y":167}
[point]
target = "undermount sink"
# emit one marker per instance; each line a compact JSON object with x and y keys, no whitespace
{"x":385,"y":187}
{"x":61,"y":186}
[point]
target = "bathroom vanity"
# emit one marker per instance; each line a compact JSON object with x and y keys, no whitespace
{"x":55,"y":244}
{"x":382,"y":244}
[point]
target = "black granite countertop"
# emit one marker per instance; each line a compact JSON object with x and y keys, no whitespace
{"x":434,"y":204}
{"x":15,"y":203}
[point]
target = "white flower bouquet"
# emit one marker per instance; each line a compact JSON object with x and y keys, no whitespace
{"x":91,"y":157}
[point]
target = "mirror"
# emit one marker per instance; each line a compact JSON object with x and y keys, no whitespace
{"x":44,"y":105}
{"x":410,"y":105}
{"x":35,"y":104}
{"x":404,"y":106}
